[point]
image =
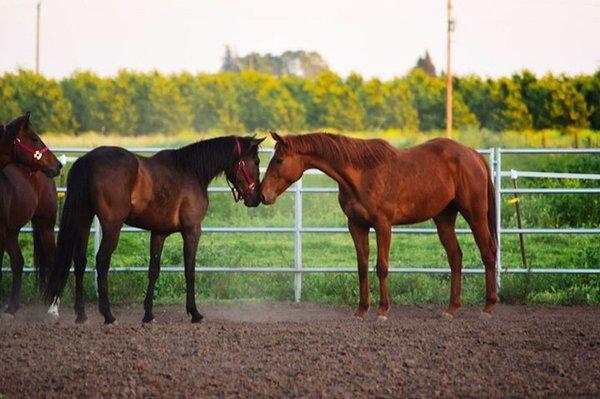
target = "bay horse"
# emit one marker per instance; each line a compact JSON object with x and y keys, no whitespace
{"x":381,"y":186}
{"x":165,"y":193}
{"x":27,"y":193}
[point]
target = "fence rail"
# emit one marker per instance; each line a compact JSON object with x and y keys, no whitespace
{"x":494,"y":155}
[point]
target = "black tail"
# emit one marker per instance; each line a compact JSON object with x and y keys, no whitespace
{"x":77,"y":208}
{"x":39,"y":257}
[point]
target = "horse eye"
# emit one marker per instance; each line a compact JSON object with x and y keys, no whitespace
{"x":279,"y":160}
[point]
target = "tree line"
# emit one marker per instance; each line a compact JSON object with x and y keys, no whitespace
{"x":134,"y":103}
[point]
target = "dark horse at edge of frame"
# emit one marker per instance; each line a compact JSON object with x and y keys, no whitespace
{"x":165,"y":193}
{"x":27,"y":193}
{"x":381,"y":186}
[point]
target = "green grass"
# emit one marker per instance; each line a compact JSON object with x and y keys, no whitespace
{"x":336,"y":250}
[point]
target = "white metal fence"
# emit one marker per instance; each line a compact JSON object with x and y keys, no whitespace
{"x":494,"y":155}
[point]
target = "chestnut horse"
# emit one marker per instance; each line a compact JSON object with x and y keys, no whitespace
{"x":380,"y":186}
{"x":27,"y":193}
{"x":165,"y":193}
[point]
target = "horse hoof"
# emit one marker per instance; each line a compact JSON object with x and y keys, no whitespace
{"x":382,"y":318}
{"x":148,"y":321}
{"x":447,"y":316}
{"x":486,"y":315}
{"x":53,"y":315}
{"x":359,"y":317}
{"x":111,"y":323}
{"x":81,"y":320}
{"x":197,"y":319}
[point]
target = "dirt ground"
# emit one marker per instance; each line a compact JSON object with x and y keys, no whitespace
{"x":308,"y":350}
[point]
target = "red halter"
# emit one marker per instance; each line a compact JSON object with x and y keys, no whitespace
{"x":37,"y":154}
{"x":240,"y":166}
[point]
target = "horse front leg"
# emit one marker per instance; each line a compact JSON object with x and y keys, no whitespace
{"x":384,"y":238}
{"x":16,"y":265}
{"x":190,"y":245}
{"x":360,"y":236}
{"x":157,"y":242}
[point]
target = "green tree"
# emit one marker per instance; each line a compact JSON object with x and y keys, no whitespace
{"x":497,"y":104}
{"x":50,"y":111}
{"x":302,"y":90}
{"x":157,"y":102}
{"x":589,"y":87}
{"x":399,"y":109}
{"x":91,"y":101}
{"x":553,"y":102}
{"x":266,"y":104}
{"x":9,"y":108}
{"x":430,"y":101}
{"x":336,"y":105}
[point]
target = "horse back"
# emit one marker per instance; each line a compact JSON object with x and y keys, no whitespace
{"x":419,"y":182}
{"x":112,"y":174}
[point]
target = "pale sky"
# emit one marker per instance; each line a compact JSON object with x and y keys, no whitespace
{"x":380,"y":38}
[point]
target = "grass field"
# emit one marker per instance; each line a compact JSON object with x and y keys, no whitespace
{"x":336,"y":250}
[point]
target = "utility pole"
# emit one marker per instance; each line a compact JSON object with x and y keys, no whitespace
{"x":449,"y":73}
{"x":37,"y":39}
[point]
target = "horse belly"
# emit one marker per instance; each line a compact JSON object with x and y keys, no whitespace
{"x":152,"y":205}
{"x":417,"y":206}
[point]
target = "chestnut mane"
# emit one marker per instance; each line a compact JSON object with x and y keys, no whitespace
{"x":358,"y":153}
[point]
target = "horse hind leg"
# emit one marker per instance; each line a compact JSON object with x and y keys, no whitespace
{"x":110,"y":239}
{"x":445,"y":223}
{"x":487,"y":249}
{"x":384,"y":237}
{"x":80,"y":263}
{"x":16,"y":265}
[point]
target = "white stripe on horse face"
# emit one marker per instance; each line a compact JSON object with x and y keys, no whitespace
{"x":53,"y":309}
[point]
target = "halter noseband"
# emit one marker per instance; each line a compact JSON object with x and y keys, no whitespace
{"x":240,"y":166}
{"x":37,"y":154}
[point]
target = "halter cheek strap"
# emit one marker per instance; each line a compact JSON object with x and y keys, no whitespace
{"x":37,"y":154}
{"x":238,"y":194}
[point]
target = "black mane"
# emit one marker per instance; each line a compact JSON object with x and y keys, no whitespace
{"x":209,"y":158}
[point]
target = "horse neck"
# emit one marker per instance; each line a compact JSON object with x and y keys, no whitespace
{"x":6,"y":152}
{"x":208,"y":159}
{"x":338,"y":172}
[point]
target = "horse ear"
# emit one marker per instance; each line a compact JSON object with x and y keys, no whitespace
{"x":256,"y":142}
{"x":24,"y":122}
{"x":277,"y":138}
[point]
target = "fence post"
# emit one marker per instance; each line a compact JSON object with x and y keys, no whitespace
{"x":97,"y":239}
{"x":498,"y":186}
{"x":298,"y":242}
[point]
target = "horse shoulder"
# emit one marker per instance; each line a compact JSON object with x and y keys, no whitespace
{"x":23,"y":197}
{"x":193,"y":205}
{"x":142,"y":191}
